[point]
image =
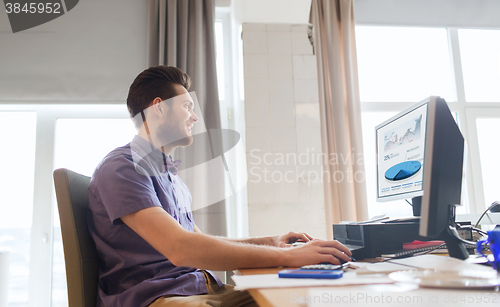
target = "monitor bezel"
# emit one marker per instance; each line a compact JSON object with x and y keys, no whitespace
{"x":404,"y":195}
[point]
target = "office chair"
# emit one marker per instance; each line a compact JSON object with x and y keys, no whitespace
{"x":80,"y":255}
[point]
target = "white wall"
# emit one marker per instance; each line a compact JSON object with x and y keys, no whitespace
{"x":92,"y":53}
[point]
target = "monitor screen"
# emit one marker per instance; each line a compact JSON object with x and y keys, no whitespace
{"x":400,"y":145}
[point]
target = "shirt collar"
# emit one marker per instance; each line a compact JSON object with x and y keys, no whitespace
{"x":147,"y":151}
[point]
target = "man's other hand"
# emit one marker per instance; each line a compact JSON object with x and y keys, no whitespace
{"x":288,"y":239}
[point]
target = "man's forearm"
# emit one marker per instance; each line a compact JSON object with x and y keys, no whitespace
{"x":208,"y":252}
{"x":255,"y":241}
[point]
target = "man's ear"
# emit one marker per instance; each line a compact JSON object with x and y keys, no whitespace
{"x":157,"y":106}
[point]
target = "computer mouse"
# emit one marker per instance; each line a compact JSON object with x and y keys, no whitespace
{"x":342,"y":261}
{"x":297,"y":244}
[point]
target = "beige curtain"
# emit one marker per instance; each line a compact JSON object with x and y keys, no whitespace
{"x":181,"y":33}
{"x":335,"y":48}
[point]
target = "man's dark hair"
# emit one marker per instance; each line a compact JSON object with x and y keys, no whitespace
{"x":157,"y":81}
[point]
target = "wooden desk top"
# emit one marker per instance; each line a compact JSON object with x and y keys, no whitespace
{"x":288,"y":297}
{"x":283,"y":297}
{"x":278,"y":296}
{"x":273,"y":297}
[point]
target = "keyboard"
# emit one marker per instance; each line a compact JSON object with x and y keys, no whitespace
{"x":325,"y":266}
{"x":413,"y":252}
{"x":422,"y":250}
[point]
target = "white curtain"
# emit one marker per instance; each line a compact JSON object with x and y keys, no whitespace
{"x":335,"y":48}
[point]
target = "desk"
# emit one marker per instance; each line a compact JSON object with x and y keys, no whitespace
{"x":288,"y":297}
{"x":280,"y":296}
{"x":272,"y":297}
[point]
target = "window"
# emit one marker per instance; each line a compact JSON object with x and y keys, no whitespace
{"x":399,"y":66}
{"x":487,"y":129}
{"x":403,"y":64}
{"x":230,"y":80}
{"x":37,"y":139}
{"x":480,"y":52}
{"x":18,"y":133}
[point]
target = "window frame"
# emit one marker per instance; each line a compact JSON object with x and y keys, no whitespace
{"x":473,"y":114}
{"x":232,"y":117}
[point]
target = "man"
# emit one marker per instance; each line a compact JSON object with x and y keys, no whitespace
{"x":140,"y":218}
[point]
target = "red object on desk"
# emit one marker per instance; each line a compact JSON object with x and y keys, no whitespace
{"x":419,"y":244}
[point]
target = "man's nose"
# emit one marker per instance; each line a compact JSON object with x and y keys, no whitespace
{"x":194,"y":118}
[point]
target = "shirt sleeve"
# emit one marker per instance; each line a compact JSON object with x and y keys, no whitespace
{"x":123,"y":188}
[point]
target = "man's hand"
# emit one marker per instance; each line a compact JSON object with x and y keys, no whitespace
{"x":317,"y":251}
{"x":286,"y":240}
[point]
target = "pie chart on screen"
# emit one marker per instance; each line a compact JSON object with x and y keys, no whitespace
{"x":403,"y":170}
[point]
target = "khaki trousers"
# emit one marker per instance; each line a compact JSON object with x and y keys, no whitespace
{"x":225,"y":296}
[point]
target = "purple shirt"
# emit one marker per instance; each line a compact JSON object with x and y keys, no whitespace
{"x":133,"y":273}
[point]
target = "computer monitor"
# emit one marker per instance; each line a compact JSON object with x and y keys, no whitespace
{"x":420,"y":155}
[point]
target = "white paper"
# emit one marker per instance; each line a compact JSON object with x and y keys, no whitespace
{"x":433,"y":262}
{"x":442,"y":263}
{"x":273,"y":281}
{"x":380,"y":267}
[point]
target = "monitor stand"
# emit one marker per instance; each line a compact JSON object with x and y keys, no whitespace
{"x":454,"y":244}
{"x":456,"y":248}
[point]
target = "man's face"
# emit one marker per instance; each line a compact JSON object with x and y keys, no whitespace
{"x":178,"y":120}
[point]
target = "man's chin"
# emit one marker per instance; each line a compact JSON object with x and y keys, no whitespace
{"x":183,"y":142}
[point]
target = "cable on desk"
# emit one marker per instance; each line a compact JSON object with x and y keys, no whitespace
{"x":494,"y":204}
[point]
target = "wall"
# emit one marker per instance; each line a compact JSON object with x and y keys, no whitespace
{"x":285,"y":191}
